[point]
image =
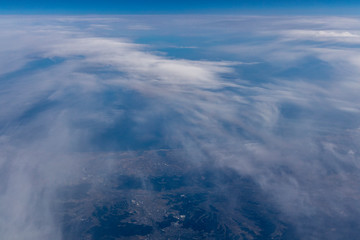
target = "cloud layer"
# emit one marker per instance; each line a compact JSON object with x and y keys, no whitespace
{"x":277,"y":100}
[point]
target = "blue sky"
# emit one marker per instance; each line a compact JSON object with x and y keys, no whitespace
{"x":177,"y":6}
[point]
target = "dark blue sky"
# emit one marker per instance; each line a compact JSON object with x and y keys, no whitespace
{"x":178,"y":6}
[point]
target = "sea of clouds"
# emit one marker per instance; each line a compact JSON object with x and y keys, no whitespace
{"x":275,"y":98}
